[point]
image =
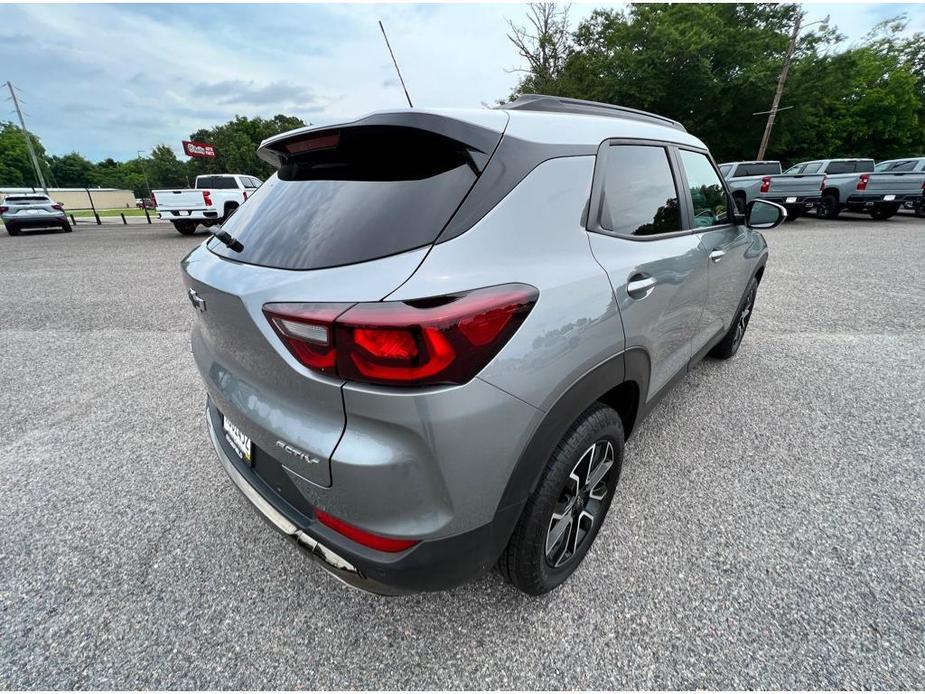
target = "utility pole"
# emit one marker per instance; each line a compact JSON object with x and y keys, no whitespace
{"x":143,"y":171}
{"x":780,"y":85}
{"x":25,"y":133}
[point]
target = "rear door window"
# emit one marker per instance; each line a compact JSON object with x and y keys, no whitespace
{"x":759,"y":169}
{"x":811,"y":168}
{"x":725,"y":169}
{"x":370,"y":192}
{"x":639,"y":197}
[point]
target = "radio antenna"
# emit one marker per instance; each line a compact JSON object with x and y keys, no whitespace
{"x":395,"y":63}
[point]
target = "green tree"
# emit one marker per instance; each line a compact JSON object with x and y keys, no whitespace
{"x":15,"y":164}
{"x":71,"y":170}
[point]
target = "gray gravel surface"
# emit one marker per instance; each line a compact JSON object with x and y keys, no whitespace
{"x":768,"y":530}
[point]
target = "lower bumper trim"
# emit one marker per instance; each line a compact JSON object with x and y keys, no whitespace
{"x":329,"y":560}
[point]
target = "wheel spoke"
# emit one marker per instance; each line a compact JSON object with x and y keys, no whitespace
{"x":556,"y":532}
{"x":603,"y":467}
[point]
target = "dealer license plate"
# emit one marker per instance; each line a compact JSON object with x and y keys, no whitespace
{"x":238,"y":440}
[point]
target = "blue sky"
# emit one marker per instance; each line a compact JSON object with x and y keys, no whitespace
{"x":107,"y":80}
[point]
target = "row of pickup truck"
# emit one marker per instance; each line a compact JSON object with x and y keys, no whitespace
{"x":831,"y":186}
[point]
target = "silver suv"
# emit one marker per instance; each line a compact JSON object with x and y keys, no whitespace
{"x":20,"y":211}
{"x":426,"y":338}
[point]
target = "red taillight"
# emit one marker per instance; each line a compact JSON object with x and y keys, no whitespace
{"x":443,"y":340}
{"x":765,"y":184}
{"x":57,"y":207}
{"x":825,"y":179}
{"x":245,"y":195}
{"x":153,"y":200}
{"x":862,"y":182}
{"x":4,"y":208}
{"x":207,"y":197}
{"x":367,"y":539}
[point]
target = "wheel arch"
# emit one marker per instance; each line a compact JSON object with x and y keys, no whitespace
{"x":621,"y":382}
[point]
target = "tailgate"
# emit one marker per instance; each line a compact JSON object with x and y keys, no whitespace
{"x":179,"y":200}
{"x":251,"y":376}
{"x":898,"y":183}
{"x":798,"y":185}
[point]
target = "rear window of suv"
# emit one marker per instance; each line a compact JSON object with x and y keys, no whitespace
{"x":378,"y":191}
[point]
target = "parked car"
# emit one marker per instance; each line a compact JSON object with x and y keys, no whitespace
{"x":851,"y":184}
{"x":32,"y":211}
{"x":426,"y":338}
{"x":910,"y":165}
{"x":749,"y":180}
{"x":144,"y":203}
{"x":211,"y":202}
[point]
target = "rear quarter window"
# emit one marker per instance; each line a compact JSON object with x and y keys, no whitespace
{"x":379,"y":191}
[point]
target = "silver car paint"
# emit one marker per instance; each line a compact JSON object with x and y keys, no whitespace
{"x":430,"y":463}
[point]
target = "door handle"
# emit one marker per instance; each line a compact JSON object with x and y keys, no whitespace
{"x":640,"y":287}
{"x":717,"y":255}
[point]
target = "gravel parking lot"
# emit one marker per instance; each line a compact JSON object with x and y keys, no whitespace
{"x":767,"y":532}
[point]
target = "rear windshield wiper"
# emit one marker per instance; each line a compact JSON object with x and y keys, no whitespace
{"x":229,"y":240}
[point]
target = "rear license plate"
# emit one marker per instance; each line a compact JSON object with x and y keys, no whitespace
{"x":238,"y":440}
{"x":889,"y":198}
{"x":790,"y":200}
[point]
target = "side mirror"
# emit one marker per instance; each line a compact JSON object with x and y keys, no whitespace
{"x":764,"y":214}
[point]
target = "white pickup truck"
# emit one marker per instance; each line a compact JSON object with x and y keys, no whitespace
{"x":213,"y":199}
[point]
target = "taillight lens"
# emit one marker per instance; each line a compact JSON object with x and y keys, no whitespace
{"x":207,"y":197}
{"x":57,"y":207}
{"x":765,"y":184}
{"x":439,"y":340}
{"x":4,"y":208}
{"x":862,"y":182}
{"x":825,"y":179}
{"x":153,"y":200}
{"x":363,"y":537}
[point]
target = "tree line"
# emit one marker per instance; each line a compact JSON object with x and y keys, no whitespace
{"x":713,"y":66}
{"x":235,"y":146}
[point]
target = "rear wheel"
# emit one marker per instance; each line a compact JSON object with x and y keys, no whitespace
{"x":229,"y":210}
{"x":739,"y":199}
{"x":12,"y":229}
{"x":793,"y":213}
{"x":66,"y":228}
{"x":185,"y":227}
{"x":828,"y":206}
{"x":920,"y":210}
{"x":564,"y":514}
{"x":733,"y":339}
{"x":884,"y":211}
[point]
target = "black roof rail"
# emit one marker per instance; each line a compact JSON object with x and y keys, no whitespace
{"x":559,"y":104}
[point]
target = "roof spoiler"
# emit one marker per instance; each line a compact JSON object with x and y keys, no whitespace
{"x":479,"y":141}
{"x":559,"y":104}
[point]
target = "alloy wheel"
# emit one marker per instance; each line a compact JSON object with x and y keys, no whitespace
{"x":744,"y":316}
{"x":581,"y":503}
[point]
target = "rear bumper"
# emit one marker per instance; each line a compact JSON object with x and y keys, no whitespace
{"x":801,"y":200}
{"x":862,"y":200}
{"x":37,"y":221}
{"x":428,"y":566}
{"x":190,"y":215}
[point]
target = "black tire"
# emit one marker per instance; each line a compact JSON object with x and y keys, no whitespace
{"x":793,"y":214}
{"x":920,"y":210}
{"x":229,"y":210}
{"x":884,"y":211}
{"x":733,"y":339}
{"x":66,"y":228}
{"x":185,"y":227}
{"x":12,"y":229}
{"x":829,"y":207}
{"x":528,"y":561}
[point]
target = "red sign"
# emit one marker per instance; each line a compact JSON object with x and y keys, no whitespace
{"x":198,"y":149}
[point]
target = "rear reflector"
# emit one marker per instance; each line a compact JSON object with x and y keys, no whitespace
{"x":439,"y":340}
{"x":367,"y":539}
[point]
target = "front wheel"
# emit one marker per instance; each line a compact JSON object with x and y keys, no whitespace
{"x":733,"y":338}
{"x":564,"y":514}
{"x":185,"y":227}
{"x":828,"y":207}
